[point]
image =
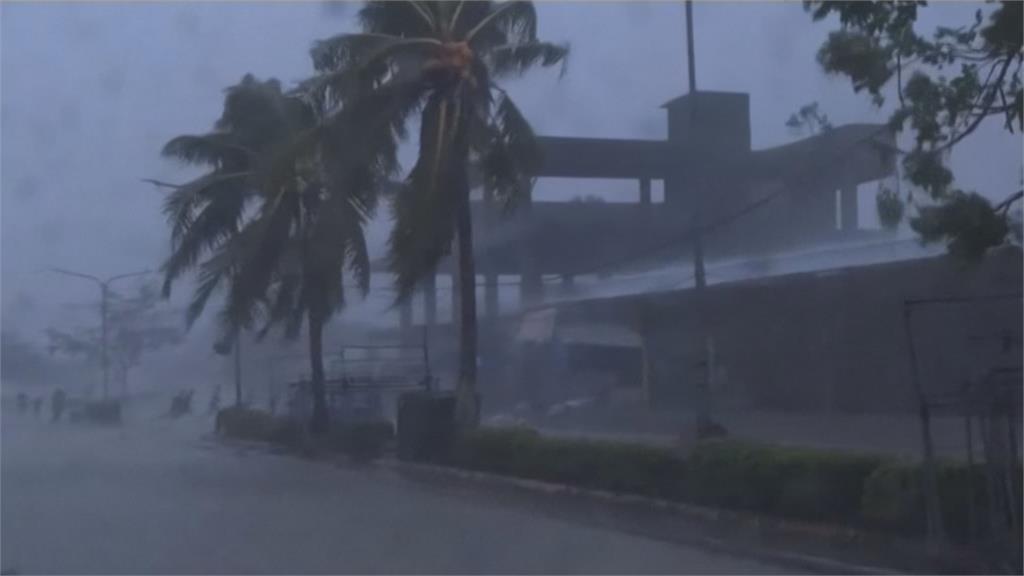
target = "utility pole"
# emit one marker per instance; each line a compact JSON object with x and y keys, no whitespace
{"x":698,"y":187}
{"x":238,"y":367}
{"x":689,"y":46}
{"x":104,"y":308}
{"x":698,"y":244}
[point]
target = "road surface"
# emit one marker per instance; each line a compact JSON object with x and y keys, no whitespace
{"x":155,"y":497}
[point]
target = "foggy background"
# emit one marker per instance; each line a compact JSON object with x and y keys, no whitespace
{"x":91,"y":91}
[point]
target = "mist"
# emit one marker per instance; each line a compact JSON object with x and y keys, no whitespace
{"x":594,"y":322}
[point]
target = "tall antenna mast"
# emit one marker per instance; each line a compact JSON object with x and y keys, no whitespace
{"x":689,"y":46}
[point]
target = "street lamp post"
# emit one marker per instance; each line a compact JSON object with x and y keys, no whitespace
{"x":104,"y":298}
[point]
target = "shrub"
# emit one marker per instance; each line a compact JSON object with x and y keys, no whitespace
{"x":894,"y":498}
{"x":364,"y":441}
{"x":723,"y":473}
{"x":613,"y":466}
{"x":247,"y":424}
{"x":790,"y":482}
{"x":285,"y":432}
{"x":426,"y":427}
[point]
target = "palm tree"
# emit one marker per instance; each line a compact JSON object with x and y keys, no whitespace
{"x":269,"y":221}
{"x":441,"y":61}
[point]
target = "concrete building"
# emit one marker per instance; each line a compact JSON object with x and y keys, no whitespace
{"x":825,"y":341}
{"x":823,"y":333}
{"x":752,"y":201}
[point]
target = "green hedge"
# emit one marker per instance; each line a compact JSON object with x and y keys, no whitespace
{"x":791,"y":482}
{"x":851,"y":489}
{"x":894,"y":498}
{"x":618,"y":467}
{"x":426,"y":427}
{"x":722,"y":473}
{"x":363,"y":441}
{"x":248,"y":424}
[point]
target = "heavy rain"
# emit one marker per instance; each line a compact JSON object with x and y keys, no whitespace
{"x":511,"y":287}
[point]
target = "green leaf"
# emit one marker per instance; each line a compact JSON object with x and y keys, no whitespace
{"x":890,"y":208}
{"x":926,"y":169}
{"x":858,"y":56}
{"x":967,"y":223}
{"x":516,"y":59}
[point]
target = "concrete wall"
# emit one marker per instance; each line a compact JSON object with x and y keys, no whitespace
{"x":829,"y":341}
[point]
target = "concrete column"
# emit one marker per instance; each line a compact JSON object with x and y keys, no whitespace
{"x":568,"y":280}
{"x":405,"y":318}
{"x":848,"y":207}
{"x":454,"y":277}
{"x":430,"y":300}
{"x":455,"y":298}
{"x":531,"y":289}
{"x":491,"y":295}
{"x":645,"y":191}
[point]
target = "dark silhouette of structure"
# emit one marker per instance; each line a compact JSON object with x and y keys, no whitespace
{"x":757,"y":201}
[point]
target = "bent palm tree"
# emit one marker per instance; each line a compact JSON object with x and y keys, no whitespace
{"x":268,"y":221}
{"x":442,"y":60}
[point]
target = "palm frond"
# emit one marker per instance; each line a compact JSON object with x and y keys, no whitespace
{"x":368,"y":132}
{"x":424,"y":210}
{"x":512,"y":22}
{"x":361,"y":50}
{"x":515,"y":130}
{"x":210,"y":278}
{"x":222,"y":266}
{"x":358,"y":258}
{"x":271,"y":234}
{"x":337,"y":240}
{"x":283,"y":301}
{"x":453,"y":20}
{"x":258,"y":114}
{"x":215,"y":149}
{"x":219,"y":219}
{"x":405,"y":19}
{"x":347,"y":50}
{"x":352,"y":65}
{"x":429,"y":11}
{"x":470,"y":14}
{"x":515,"y":59}
{"x":248,"y":260}
{"x":355,"y":212}
{"x":182,"y":202}
{"x":512,"y":157}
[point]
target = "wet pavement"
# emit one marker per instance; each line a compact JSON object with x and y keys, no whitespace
{"x":156,"y":497}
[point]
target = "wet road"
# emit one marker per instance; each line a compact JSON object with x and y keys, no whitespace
{"x":155,"y":497}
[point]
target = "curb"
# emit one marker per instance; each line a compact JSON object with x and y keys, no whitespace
{"x":741,"y":534}
{"x":676,"y":512}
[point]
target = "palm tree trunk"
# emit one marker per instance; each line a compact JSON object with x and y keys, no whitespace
{"x":319,"y":422}
{"x":467,"y":410}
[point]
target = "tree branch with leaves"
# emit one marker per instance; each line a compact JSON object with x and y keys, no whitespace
{"x":947,"y":84}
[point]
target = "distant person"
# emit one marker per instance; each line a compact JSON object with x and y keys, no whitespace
{"x":57,"y":402}
{"x":37,"y":406}
{"x":180,"y":404}
{"x":22,"y":403}
{"x":215,"y":401}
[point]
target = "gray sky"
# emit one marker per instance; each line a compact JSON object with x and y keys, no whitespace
{"x":91,"y":91}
